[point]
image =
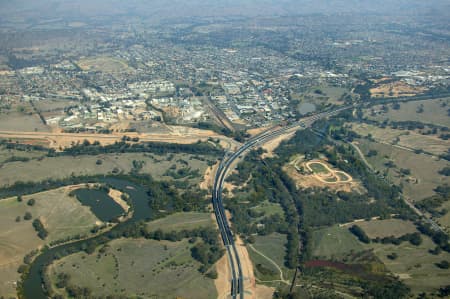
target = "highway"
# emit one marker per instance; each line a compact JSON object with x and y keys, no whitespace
{"x":237,"y":279}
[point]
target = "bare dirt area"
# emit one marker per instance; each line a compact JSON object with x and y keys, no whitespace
{"x":208,"y":177}
{"x":270,"y":146}
{"x":120,"y":126}
{"x":58,"y":140}
{"x":396,"y":89}
{"x":116,"y":195}
{"x":326,"y":174}
{"x":222,"y":282}
{"x":305,"y":176}
{"x":252,"y":290}
{"x":264,"y":292}
{"x":256,"y":131}
{"x":247,"y":269}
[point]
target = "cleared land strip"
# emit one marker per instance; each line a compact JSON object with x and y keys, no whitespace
{"x":56,"y":140}
{"x":361,"y":155}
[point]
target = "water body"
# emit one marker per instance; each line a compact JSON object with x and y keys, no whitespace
{"x":306,"y":108}
{"x":100,"y":203}
{"x":32,"y":285}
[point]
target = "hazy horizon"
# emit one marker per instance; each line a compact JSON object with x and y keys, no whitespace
{"x":40,"y":10}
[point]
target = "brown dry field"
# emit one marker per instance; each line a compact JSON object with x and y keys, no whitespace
{"x":408,"y":139}
{"x":415,"y":266}
{"x":434,"y":112}
{"x":387,"y":227}
{"x":18,"y":122}
{"x":222,"y":282}
{"x":64,"y":166}
{"x":62,"y":216}
{"x":424,"y":169}
{"x":444,"y":220}
{"x":54,"y":105}
{"x":398,"y":89}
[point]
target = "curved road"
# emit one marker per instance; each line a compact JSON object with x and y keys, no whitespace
{"x":237,"y":279}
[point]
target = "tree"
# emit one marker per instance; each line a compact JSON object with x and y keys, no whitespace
{"x":31,"y":202}
{"x":359,"y":233}
{"x":18,"y":219}
{"x":39,"y":227}
{"x":443,"y":264}
{"x":212,"y":274}
{"x":392,"y":256}
{"x":27,"y":216}
{"x":445,"y":171}
{"x":415,"y":239}
{"x":372,"y":153}
{"x":396,"y":106}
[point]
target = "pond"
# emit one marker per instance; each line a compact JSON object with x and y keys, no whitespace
{"x":100,"y":203}
{"x":306,"y":108}
{"x":32,"y":285}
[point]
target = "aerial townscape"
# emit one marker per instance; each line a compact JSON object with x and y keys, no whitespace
{"x":224,"y":149}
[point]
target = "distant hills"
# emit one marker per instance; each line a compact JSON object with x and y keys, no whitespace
{"x":38,"y":10}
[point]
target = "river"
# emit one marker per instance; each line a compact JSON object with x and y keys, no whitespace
{"x":32,"y":285}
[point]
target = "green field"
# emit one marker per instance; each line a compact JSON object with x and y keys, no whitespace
{"x":106,"y":64}
{"x":386,"y":228}
{"x":137,"y":267}
{"x":318,"y":168}
{"x":273,"y":247}
{"x":342,"y":176}
{"x":424,"y":168}
{"x":61,"y":215}
{"x":269,"y":208}
{"x":50,"y":167}
{"x":329,"y":93}
{"x":334,"y":242}
{"x":181,"y":221}
{"x":415,"y":265}
{"x":433,"y":112}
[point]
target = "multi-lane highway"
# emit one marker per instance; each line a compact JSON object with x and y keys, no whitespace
{"x":237,"y":279}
